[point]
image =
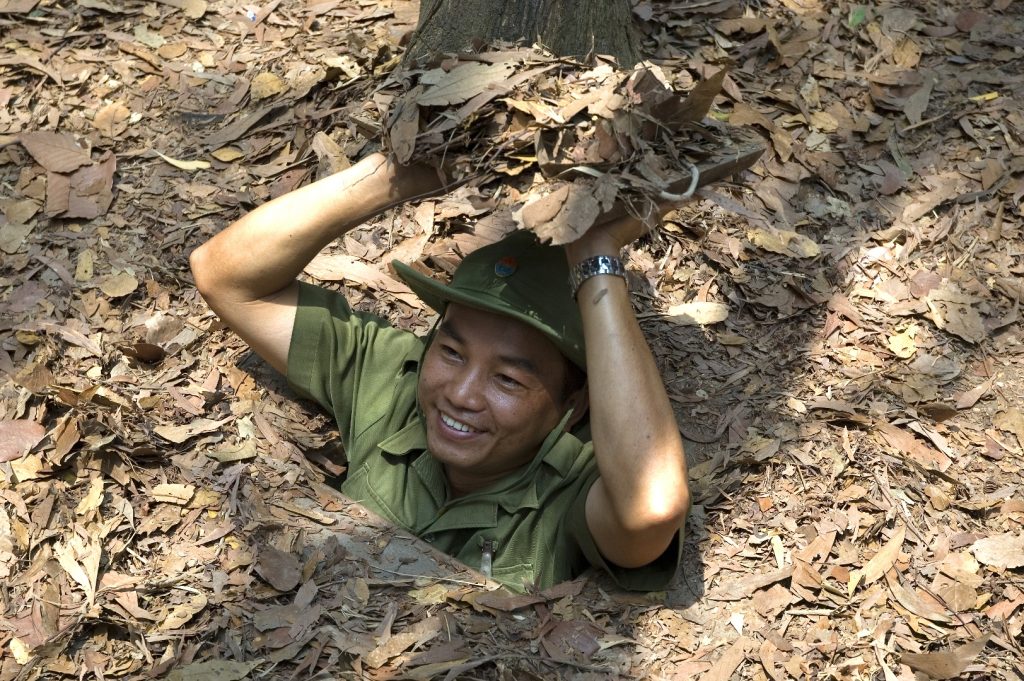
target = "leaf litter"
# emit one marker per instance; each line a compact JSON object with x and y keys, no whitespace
{"x":837,"y":327}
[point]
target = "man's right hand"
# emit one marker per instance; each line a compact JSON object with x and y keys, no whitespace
{"x":247,"y":273}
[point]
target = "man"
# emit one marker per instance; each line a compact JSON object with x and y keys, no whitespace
{"x":471,"y":439}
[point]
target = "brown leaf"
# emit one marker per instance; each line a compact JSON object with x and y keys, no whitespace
{"x":563,"y":215}
{"x":916,"y":103}
{"x":17,"y":6}
{"x":403,"y":131}
{"x":267,"y":85}
{"x":281,"y":570}
{"x":32,"y":64}
{"x":1003,"y":551}
{"x":112,"y":119}
{"x":698,"y":102}
{"x":19,"y":211}
{"x":17,"y":437}
{"x":184,"y":165}
{"x":462,"y":82}
{"x":340,"y":267}
{"x":235,"y":130}
{"x":214,"y":670}
{"x":922,"y":606}
{"x":727,"y":664}
{"x":698,"y":313}
{"x":501,"y":600}
{"x":90,"y":190}
{"x":938,"y":411}
{"x":183,"y":612}
{"x":58,"y":193}
{"x":1012,"y":421}
{"x":118,"y":285}
{"x":57,"y":152}
{"x":946,"y":664}
{"x":93,"y":498}
{"x":545,"y":208}
{"x":181,"y":433}
{"x":881,"y":562}
{"x":229,"y":154}
{"x":194,"y":9}
{"x":743,"y":587}
{"x":173,"y":493}
{"x":81,"y":562}
{"x":144,"y":352}
{"x":784,"y":242}
{"x":13,"y":235}
{"x":903,"y":443}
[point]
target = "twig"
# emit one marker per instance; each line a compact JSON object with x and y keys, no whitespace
{"x":450,"y":580}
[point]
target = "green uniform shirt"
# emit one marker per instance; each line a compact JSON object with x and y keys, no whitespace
{"x":365,"y":373}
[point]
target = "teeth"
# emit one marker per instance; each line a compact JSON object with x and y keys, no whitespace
{"x":452,"y":423}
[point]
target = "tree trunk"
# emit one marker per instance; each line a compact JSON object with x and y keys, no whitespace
{"x":569,"y":28}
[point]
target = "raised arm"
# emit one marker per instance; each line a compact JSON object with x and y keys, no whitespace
{"x":247,"y":272}
{"x":641,"y":499}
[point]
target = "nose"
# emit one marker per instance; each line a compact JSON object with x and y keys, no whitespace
{"x":465,"y":389}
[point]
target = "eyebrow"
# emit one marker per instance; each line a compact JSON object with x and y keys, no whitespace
{"x":523,"y":363}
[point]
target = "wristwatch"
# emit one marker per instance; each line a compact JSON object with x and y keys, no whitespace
{"x":591,"y":267}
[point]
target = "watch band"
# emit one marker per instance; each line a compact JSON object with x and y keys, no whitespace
{"x":591,"y":267}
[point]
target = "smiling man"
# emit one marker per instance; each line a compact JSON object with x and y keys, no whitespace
{"x":529,"y":435}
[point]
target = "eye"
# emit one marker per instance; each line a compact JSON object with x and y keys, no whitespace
{"x":508,"y":382}
{"x":449,"y":352}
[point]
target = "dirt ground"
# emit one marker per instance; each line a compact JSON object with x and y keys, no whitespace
{"x":838,"y":327}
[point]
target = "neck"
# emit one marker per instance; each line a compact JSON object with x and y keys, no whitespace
{"x":460,"y":483}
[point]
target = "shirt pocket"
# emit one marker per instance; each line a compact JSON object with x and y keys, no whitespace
{"x":358,"y":487}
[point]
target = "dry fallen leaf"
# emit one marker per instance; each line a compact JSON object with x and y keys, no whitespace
{"x":903,"y":344}
{"x":181,"y":433}
{"x":461,"y":83}
{"x":19,"y":212}
{"x":784,"y":242}
{"x":214,"y":670}
{"x":281,"y":570}
{"x":19,"y":650}
{"x":227,"y":154}
{"x":1012,"y":421}
{"x":183,"y":612}
{"x":13,"y":235}
{"x":57,"y":152}
{"x":220,"y":670}
{"x":93,"y":498}
{"x":17,"y":437}
{"x":946,"y":664}
{"x":118,"y":285}
{"x":698,"y":314}
{"x":881,"y":562}
{"x":1003,"y":551}
{"x":267,"y":85}
{"x":184,"y":165}
{"x":340,"y":267}
{"x":112,"y":119}
{"x":194,"y":9}
{"x":173,"y":493}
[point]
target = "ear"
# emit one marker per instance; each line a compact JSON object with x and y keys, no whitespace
{"x":579,"y":402}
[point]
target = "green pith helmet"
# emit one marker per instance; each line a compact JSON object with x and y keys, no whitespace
{"x":518,"y":277}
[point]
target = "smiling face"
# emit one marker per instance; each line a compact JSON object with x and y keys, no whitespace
{"x":491,"y":389}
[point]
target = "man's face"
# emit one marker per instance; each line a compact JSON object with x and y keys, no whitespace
{"x":491,"y":389}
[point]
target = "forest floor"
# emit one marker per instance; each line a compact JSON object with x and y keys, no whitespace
{"x":854,"y":425}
